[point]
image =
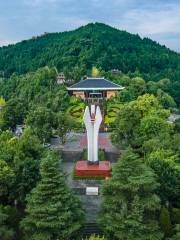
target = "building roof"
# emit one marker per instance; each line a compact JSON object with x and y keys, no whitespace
{"x":95,"y":84}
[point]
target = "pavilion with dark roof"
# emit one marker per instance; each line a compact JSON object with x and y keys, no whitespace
{"x":94,"y":88}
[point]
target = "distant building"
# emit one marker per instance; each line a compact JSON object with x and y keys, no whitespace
{"x":94,"y":89}
{"x":115,"y":71}
{"x":19,"y":130}
{"x":60,"y":78}
{"x":173,"y":118}
{"x":34,"y":37}
{"x":70,"y":82}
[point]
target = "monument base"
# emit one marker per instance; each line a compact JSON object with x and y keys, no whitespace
{"x":83,"y":168}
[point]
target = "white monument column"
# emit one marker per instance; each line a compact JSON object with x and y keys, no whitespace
{"x":92,"y":120}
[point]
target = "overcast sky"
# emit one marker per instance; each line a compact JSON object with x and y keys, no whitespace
{"x":156,"y":19}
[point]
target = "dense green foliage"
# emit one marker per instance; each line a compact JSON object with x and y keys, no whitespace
{"x":53,"y":212}
{"x":19,"y":168}
{"x":94,"y":44}
{"x":165,"y":221}
{"x":176,"y":236}
{"x":19,"y":173}
{"x":36,"y":100}
{"x":142,"y":124}
{"x":6,"y":233}
{"x":129,"y":201}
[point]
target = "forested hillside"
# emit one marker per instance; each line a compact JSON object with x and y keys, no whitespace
{"x":94,"y":45}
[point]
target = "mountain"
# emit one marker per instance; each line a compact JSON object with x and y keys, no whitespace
{"x":94,"y":44}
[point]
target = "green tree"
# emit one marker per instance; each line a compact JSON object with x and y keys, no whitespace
{"x":76,"y":73}
{"x":165,"y":221}
{"x":129,"y":118}
{"x":176,"y":236}
{"x":138,"y":86}
{"x":126,"y":95}
{"x":13,"y":113}
{"x":125,"y":129}
{"x":59,"y":101}
{"x":177,"y":126}
{"x":66,"y":72}
{"x":53,"y":212}
{"x":64,"y":124}
{"x":26,"y":161}
{"x":153,"y":126}
{"x":41,"y":122}
{"x":6,"y":233}
{"x":165,"y":99}
{"x":164,"y":163}
{"x":95,"y":72}
{"x":129,"y":201}
{"x":175,"y":213}
{"x":2,"y":102}
{"x":8,"y":145}
{"x":6,"y":178}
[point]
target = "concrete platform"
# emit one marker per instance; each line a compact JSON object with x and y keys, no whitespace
{"x":83,"y":168}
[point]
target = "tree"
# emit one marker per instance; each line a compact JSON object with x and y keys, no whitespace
{"x":177,"y":126}
{"x":129,"y":201}
{"x":13,"y":113}
{"x":8,"y":148}
{"x":53,"y":212}
{"x":19,"y":157}
{"x":138,"y":86}
{"x":165,"y":99}
{"x":152,"y":87}
{"x":176,"y":236}
{"x":59,"y":101}
{"x":2,"y":102}
{"x":165,"y":165}
{"x":95,"y":72}
{"x":153,"y":126}
{"x":67,"y":74}
{"x":6,"y":178}
{"x":41,"y":122}
{"x":64,"y":124}
{"x":26,"y":161}
{"x":126,"y":95}
{"x":165,"y":221}
{"x":129,"y":118}
{"x":76,"y":73}
{"x":125,"y":129}
{"x":6,"y":233}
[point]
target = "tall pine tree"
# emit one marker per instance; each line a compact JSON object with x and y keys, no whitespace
{"x":129,"y":201}
{"x":53,"y":212}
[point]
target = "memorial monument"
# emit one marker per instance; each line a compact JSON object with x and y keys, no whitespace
{"x":92,"y":167}
{"x":92,"y":120}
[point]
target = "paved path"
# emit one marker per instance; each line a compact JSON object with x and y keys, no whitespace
{"x":91,"y":204}
{"x":78,"y":142}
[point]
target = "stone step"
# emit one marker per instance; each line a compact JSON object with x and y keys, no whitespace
{"x":91,"y":229}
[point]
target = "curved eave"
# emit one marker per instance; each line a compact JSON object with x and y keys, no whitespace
{"x":83,"y":89}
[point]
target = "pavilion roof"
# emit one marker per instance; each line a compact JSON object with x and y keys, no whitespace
{"x":95,"y":84}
